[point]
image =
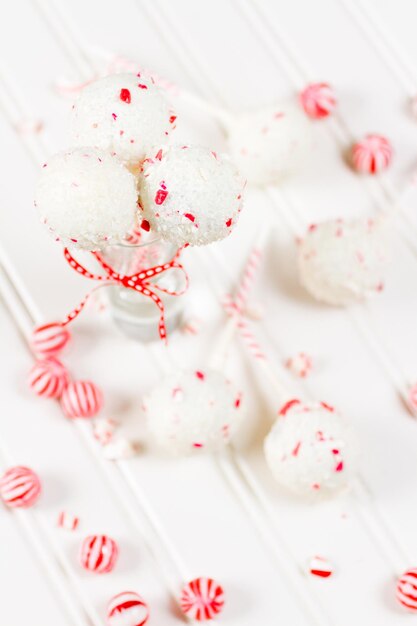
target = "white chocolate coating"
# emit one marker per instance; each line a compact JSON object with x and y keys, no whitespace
{"x":341,"y":262}
{"x":193,"y":411}
{"x":125,"y":114}
{"x":310,"y":450}
{"x":86,"y":198}
{"x":271,"y":143}
{"x":190,"y":195}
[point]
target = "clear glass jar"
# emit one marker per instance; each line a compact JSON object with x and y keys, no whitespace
{"x":135,"y":314}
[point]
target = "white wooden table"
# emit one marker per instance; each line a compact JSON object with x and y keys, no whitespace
{"x":239,"y":54}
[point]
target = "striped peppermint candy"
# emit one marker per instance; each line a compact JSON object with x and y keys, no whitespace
{"x":202,"y":599}
{"x":127,"y":609}
{"x":49,"y":339}
{"x":81,"y":398}
{"x":407,"y":589}
{"x":318,"y":100}
{"x":371,"y":155}
{"x":20,"y":487}
{"x":99,"y":554}
{"x":48,"y":378}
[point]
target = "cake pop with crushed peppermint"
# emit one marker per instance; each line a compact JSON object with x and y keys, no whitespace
{"x":125,"y":114}
{"x":87,"y":198}
{"x":310,"y":449}
{"x":343,"y":261}
{"x":193,"y":411}
{"x":270,"y":143}
{"x":190,"y":195}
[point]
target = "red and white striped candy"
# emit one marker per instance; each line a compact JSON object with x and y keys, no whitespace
{"x":67,"y":521}
{"x":81,"y":399}
{"x":49,"y":339}
{"x":407,"y":589}
{"x":48,"y":378}
{"x":127,"y":609}
{"x":318,"y":100}
{"x":371,"y":155}
{"x":202,"y":599}
{"x":99,"y":554}
{"x":320,"y":567}
{"x":20,"y":487}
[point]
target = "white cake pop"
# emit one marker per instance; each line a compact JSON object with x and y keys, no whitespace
{"x":125,"y":114}
{"x":193,"y":410}
{"x":271,"y":143}
{"x":310,"y":449}
{"x":87,"y":198}
{"x":341,"y":262}
{"x":190,"y":195}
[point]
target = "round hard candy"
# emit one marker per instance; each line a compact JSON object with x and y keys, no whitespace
{"x":81,"y":398}
{"x":318,"y":100}
{"x":407,"y":589}
{"x":48,"y":378}
{"x":49,"y":339}
{"x":372,"y":154}
{"x":202,"y":599}
{"x":20,"y":487}
{"x":99,"y":554}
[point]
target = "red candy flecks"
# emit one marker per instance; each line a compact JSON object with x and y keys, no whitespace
{"x":161,"y":194}
{"x":125,"y":96}
{"x":202,"y":599}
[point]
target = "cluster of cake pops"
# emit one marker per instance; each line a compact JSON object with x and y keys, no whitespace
{"x":123,"y":173}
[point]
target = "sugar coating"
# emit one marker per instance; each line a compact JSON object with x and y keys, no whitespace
{"x":193,"y":411}
{"x":271,"y":143}
{"x":86,"y":198}
{"x":125,"y":114}
{"x":310,"y":450}
{"x":190,"y":195}
{"x":341,"y":262}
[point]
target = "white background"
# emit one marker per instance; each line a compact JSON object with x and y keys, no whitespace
{"x":238,"y":54}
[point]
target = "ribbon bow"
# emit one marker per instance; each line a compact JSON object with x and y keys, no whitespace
{"x":140,"y":282}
